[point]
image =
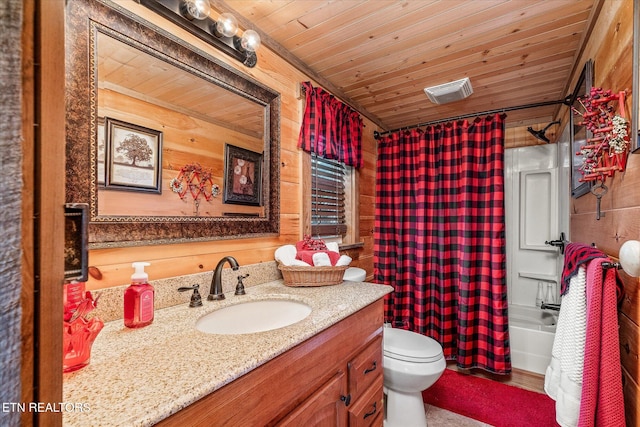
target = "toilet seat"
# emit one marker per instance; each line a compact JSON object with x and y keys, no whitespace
{"x":409,"y":346}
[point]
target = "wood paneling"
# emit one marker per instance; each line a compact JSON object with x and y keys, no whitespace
{"x":629,"y":346}
{"x":631,"y":396}
{"x":49,"y":161}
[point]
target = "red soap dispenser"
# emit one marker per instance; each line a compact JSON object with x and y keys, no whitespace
{"x":138,"y":298}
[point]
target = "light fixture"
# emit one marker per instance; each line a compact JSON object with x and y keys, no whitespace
{"x":226,"y":25}
{"x":250,"y":41}
{"x":540,"y":134}
{"x":449,"y":92}
{"x":195,"y":17}
{"x":195,"y":9}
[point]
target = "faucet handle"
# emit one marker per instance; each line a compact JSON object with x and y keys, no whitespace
{"x":240,"y":285}
{"x":196,"y":299}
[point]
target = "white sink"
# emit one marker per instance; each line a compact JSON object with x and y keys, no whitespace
{"x":253,"y":316}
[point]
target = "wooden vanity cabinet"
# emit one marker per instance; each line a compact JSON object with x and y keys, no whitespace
{"x":320,"y":382}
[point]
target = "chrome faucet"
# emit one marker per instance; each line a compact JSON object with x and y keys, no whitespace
{"x":216,"y":293}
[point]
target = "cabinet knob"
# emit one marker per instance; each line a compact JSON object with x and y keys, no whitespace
{"x":346,"y":399}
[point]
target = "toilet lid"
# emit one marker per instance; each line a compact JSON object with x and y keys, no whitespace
{"x":355,"y":274}
{"x":410,"y":346}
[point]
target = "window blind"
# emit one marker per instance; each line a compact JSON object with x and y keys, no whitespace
{"x":328,"y":216}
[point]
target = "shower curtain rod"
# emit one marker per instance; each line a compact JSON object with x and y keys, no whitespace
{"x":565,"y":101}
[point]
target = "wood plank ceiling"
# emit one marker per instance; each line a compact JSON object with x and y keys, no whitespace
{"x":378,"y":55}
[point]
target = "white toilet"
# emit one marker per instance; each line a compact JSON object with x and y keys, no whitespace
{"x":355,"y":274}
{"x":411,"y":364}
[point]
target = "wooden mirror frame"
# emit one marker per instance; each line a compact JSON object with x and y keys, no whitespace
{"x":83,"y":20}
{"x":634,"y":144}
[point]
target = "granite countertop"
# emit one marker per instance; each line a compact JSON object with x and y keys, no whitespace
{"x":138,"y":377}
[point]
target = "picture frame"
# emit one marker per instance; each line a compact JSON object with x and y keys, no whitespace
{"x":134,"y":157}
{"x":242,"y":176}
{"x":578,"y":132}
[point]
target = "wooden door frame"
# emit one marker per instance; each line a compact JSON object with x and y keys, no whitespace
{"x":43,"y":195}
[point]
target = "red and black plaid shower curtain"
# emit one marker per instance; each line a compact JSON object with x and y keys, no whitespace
{"x":440,"y":238}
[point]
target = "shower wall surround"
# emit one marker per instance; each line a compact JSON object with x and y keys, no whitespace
{"x":532,"y":209}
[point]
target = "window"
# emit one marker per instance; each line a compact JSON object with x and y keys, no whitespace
{"x":330,"y":197}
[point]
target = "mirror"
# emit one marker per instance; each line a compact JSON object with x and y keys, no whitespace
{"x":579,"y":133}
{"x":158,"y":132}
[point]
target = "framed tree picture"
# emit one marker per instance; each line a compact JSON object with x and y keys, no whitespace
{"x":242,"y":176}
{"x":134,"y":156}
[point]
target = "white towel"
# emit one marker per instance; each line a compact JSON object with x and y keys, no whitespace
{"x":321,"y":259}
{"x":563,"y":379}
{"x":333,"y":246}
{"x":287,"y":255}
{"x":343,"y":260}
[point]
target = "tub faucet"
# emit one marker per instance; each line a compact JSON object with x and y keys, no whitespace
{"x":216,"y":283}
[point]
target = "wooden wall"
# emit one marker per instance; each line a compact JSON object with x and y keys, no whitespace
{"x":610,"y":46}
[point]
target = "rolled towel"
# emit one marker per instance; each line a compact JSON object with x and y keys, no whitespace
{"x":321,"y":259}
{"x":307,"y":256}
{"x":333,"y":246}
{"x":299,"y":263}
{"x":286,"y":255}
{"x":343,"y":260}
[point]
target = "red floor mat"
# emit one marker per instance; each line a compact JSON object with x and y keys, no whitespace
{"x":491,"y":402}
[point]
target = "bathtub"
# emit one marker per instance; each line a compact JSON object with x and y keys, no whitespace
{"x":531,"y":333}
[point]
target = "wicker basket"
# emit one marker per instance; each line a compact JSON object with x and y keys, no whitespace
{"x":312,"y":276}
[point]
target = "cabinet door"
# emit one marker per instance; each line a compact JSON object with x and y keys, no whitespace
{"x":324,"y":408}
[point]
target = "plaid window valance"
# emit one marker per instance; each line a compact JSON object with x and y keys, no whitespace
{"x":330,"y":128}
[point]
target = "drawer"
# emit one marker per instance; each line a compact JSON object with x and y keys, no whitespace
{"x":367,"y":410}
{"x":366,"y":367}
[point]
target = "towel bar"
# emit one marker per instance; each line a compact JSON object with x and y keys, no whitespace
{"x":608,"y":265}
{"x":546,"y":306}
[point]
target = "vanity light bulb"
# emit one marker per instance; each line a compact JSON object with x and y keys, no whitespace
{"x":227,"y":25}
{"x":250,"y":41}
{"x":197,"y":9}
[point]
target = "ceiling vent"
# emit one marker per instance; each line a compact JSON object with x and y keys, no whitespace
{"x":449,"y":92}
